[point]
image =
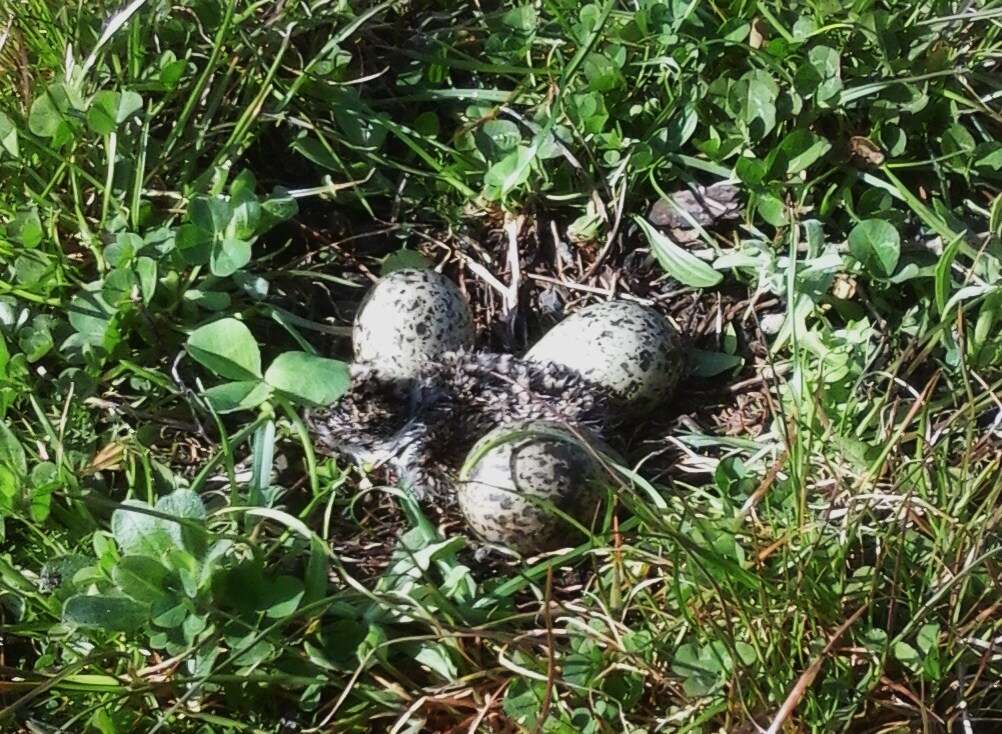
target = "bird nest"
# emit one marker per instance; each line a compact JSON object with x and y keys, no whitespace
{"x":422,"y":429}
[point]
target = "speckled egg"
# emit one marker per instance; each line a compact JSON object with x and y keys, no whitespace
{"x":627,"y":348}
{"x":515,"y":472}
{"x":407,"y":318}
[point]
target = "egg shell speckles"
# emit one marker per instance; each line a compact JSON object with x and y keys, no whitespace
{"x":408,"y":317}
{"x":627,"y":348}
{"x":500,"y":496}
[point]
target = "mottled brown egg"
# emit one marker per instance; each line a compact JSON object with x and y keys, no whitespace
{"x":627,"y":348}
{"x":408,"y":318}
{"x":513,"y":476}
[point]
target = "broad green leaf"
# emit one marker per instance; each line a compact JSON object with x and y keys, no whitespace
{"x":171,"y":71}
{"x":228,"y":256}
{"x":243,"y":186}
{"x":773,"y":210}
{"x":26,"y":227}
{"x":110,"y":109}
{"x":146,"y":271}
{"x":907,"y":655}
{"x":168,"y":613}
{"x":278,"y":208}
{"x":751,"y":171}
{"x":91,"y":316}
{"x":510,"y":172}
{"x":209,"y":300}
{"x":755,"y":97}
{"x":186,"y":505}
{"x":689,"y":663}
{"x":43,"y":474}
{"x":404,"y":259}
{"x":826,"y":63}
{"x":685,"y":267}
{"x":281,"y":596}
{"x":112,"y":613}
{"x":241,"y":395}
{"x":523,"y":701}
{"x":435,"y":656}
{"x":588,"y":111}
{"x":797,"y":151}
{"x":927,"y":638}
{"x":245,"y":220}
{"x":11,"y":452}
{"x":709,"y":364}
{"x":123,"y":249}
{"x":893,"y":139}
{"x":142,"y":578}
{"x":521,"y":19}
{"x":49,"y":111}
{"x":877,"y":246}
{"x":118,"y":286}
{"x":427,"y":125}
{"x":194,"y":244}
{"x":10,"y":486}
{"x":503,"y":135}
{"x":227,"y":348}
{"x":717,"y":656}
{"x":585,"y":228}
{"x":874,"y":639}
{"x":360,"y":123}
{"x":601,"y":73}
{"x":138,"y":532}
{"x":34,"y":267}
{"x":804,"y":27}
{"x":255,"y":653}
{"x":679,"y":129}
{"x":746,"y":653}
{"x":309,"y":378}
{"x":8,"y":136}
{"x":314,"y":151}
{"x":35,"y":339}
{"x":988,"y":157}
{"x":958,"y":139}
{"x":210,"y":214}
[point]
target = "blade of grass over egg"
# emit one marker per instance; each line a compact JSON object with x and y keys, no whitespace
{"x":538,"y":571}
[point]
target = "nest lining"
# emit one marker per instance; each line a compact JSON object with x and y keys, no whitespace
{"x":423,"y":428}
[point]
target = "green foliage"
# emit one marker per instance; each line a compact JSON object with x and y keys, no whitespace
{"x":182,"y":186}
{"x":227,"y":348}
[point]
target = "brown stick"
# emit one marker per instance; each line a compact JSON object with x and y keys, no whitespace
{"x":551,"y":662}
{"x":807,"y":677}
